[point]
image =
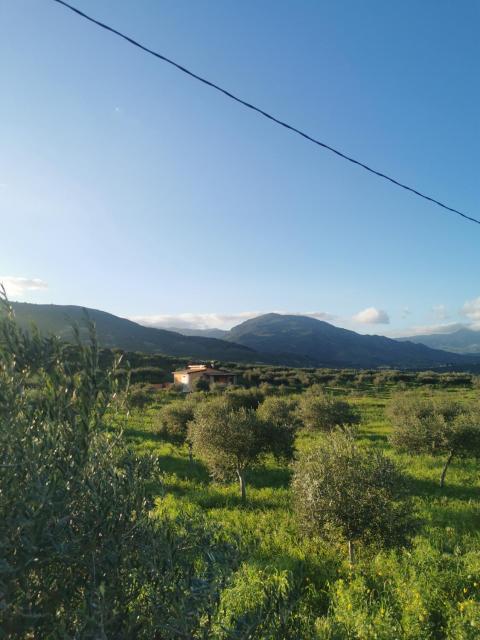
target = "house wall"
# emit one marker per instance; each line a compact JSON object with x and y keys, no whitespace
{"x":182,"y":379}
{"x":188,"y":380}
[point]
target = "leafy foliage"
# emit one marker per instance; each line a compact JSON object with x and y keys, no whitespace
{"x":318,"y":410}
{"x":435,"y":425}
{"x":80,"y":554}
{"x":161,"y":574}
{"x":246,"y":398}
{"x":279,"y":416}
{"x":230,"y":440}
{"x":173,"y":419}
{"x":341,"y":488}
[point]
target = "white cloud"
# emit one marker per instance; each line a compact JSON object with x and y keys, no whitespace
{"x":471,"y":309}
{"x":406,"y":312}
{"x":371,"y":315}
{"x":16,"y":286}
{"x":215,"y":320}
{"x":440,"y":312}
{"x":424,"y":330}
{"x":196,"y":320}
{"x":318,"y":315}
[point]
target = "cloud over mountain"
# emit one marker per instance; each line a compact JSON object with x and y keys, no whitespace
{"x":372,"y":315}
{"x":471,"y":309}
{"x":16,"y":286}
{"x":214,"y":320}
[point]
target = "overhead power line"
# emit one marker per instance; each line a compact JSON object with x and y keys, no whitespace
{"x":264,"y":113}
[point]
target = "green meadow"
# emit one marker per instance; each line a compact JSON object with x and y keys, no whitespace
{"x":428,"y":590}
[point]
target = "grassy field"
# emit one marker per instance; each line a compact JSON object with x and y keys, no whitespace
{"x":430,"y":590}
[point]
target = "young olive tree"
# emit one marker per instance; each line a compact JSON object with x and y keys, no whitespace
{"x":319,"y":411}
{"x":230,"y":441}
{"x":435,"y":425}
{"x":342,"y":488}
{"x":173,"y":419}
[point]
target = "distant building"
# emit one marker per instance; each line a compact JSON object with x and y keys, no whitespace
{"x":187,"y":378}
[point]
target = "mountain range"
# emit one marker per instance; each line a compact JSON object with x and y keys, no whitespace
{"x":113,"y":331}
{"x":272,"y":338}
{"x":463,"y":340}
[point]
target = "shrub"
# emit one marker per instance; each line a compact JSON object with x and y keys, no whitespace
{"x":201,"y":384}
{"x":140,"y":395}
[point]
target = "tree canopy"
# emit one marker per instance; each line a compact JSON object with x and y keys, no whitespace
{"x":321,"y":411}
{"x":343,"y":489}
{"x":231,"y":440}
{"x":435,"y":425}
{"x":173,"y":419}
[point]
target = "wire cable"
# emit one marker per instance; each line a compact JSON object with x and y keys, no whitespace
{"x":264,"y":113}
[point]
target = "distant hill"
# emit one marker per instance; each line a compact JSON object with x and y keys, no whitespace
{"x":326,"y":345}
{"x":203,"y":333}
{"x":461,"y":341}
{"x":269,"y":339}
{"x":124,"y":334}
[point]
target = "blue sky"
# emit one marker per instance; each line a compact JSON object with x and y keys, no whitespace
{"x":129,"y":187}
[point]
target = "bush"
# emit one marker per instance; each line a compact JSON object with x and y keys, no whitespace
{"x":140,"y":395}
{"x":201,"y":384}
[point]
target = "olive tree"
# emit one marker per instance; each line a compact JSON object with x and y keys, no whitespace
{"x":343,"y":489}
{"x":230,"y":441}
{"x":246,"y":398}
{"x":279,"y":410}
{"x":173,"y":419}
{"x":435,"y":425}
{"x":280,"y":418}
{"x":321,"y":411}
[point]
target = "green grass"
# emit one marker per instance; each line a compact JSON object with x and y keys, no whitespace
{"x":430,"y":590}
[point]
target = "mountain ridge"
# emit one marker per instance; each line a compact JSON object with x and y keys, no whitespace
{"x":114,"y":331}
{"x":328,"y":345}
{"x":280,"y":339}
{"x":462,"y":341}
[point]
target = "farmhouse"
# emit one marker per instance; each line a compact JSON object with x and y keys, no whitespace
{"x":187,"y":378}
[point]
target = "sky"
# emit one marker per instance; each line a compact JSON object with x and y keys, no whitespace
{"x":129,"y":187}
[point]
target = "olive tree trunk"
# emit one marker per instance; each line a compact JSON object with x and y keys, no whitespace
{"x":444,"y":470}
{"x":351,"y":552}
{"x":241,"y":480}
